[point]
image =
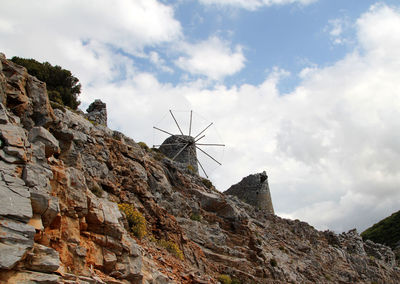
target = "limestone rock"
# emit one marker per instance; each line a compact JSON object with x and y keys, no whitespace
{"x":254,"y":190}
{"x":43,"y":135}
{"x":16,"y":239}
{"x":29,"y":277}
{"x":87,"y":239}
{"x":51,"y":212}
{"x":97,"y":112}
{"x":13,"y":135}
{"x":16,"y":202}
{"x":25,"y":95}
{"x":43,"y":259}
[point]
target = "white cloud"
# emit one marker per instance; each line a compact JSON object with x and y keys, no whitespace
{"x":331,"y":147}
{"x":213,"y":58}
{"x":254,"y":4}
{"x":84,"y":35}
{"x":159,"y":62}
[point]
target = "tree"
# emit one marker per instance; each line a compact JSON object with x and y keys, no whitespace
{"x":62,"y":87}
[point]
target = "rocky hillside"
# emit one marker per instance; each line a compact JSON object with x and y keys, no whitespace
{"x":81,"y":203}
{"x":386,"y":231}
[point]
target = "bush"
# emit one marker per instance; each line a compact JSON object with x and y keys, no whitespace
{"x":97,"y":190}
{"x":144,"y":146}
{"x":387,"y":231}
{"x":62,"y":87}
{"x":273,"y":262}
{"x":225,"y":279}
{"x":207,"y":183}
{"x":195,"y":217}
{"x":169,"y":246}
{"x":136,"y":220}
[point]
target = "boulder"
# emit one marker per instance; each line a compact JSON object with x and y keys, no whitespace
{"x":16,"y":203}
{"x":29,"y":277}
{"x":16,"y":239}
{"x":13,"y":135}
{"x":43,"y":135}
{"x":43,"y":259}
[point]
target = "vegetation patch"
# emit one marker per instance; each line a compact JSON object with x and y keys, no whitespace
{"x":273,"y":262}
{"x":97,"y":190}
{"x":62,"y":87}
{"x":196,"y":217}
{"x":144,"y":146}
{"x":136,"y":220}
{"x":207,"y":183}
{"x":170,"y":246}
{"x":225,"y":279}
{"x":385,"y":232}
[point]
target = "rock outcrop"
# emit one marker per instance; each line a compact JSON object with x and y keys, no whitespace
{"x":97,"y":112}
{"x":62,"y":179}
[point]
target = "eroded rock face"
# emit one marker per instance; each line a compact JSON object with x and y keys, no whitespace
{"x":60,"y":185}
{"x":97,"y":112}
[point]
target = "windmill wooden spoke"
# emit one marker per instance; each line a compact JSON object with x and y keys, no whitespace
{"x":171,"y":144}
{"x":203,"y":144}
{"x":190,"y":124}
{"x":183,"y":148}
{"x":199,"y":138}
{"x":201,"y":166}
{"x":209,"y":156}
{"x":203,"y":130}
{"x":159,"y":129}
{"x":170,"y":111}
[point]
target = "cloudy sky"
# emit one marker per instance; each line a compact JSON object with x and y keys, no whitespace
{"x":308,"y":90}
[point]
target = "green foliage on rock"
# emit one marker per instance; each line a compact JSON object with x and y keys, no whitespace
{"x":136,"y":220}
{"x":225,"y":279}
{"x":62,"y":87}
{"x":387,"y":231}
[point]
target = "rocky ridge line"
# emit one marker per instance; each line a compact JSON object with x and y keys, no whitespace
{"x":62,"y":177}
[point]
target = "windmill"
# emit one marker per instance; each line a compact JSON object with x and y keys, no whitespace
{"x":183,"y":148}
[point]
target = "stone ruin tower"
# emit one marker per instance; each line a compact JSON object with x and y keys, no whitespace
{"x":183,"y":148}
{"x":172,"y":148}
{"x":254,"y":190}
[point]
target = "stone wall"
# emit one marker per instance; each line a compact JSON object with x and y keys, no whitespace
{"x":188,"y":157}
{"x":254,"y":190}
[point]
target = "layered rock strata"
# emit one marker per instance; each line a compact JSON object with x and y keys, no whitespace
{"x":62,"y":178}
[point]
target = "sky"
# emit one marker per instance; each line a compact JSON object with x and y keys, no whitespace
{"x":307,"y":90}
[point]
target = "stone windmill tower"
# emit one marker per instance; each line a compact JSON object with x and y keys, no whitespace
{"x":183,"y":148}
{"x":254,"y":190}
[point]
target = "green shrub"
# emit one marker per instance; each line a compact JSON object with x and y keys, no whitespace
{"x":273,"y":262}
{"x":196,"y":217}
{"x":387,"y":231}
{"x":158,"y":155}
{"x":191,"y":168}
{"x":62,"y":87}
{"x":136,"y":220}
{"x":144,"y":146}
{"x":169,"y":246}
{"x":235,"y":281}
{"x":225,"y":279}
{"x":97,"y":190}
{"x":207,"y":183}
